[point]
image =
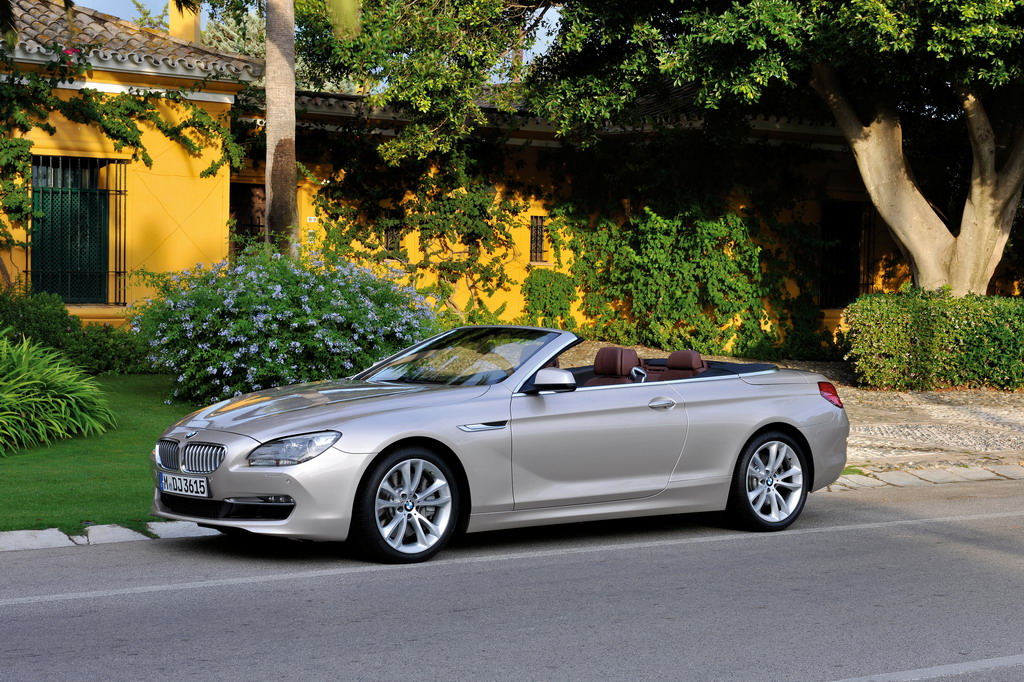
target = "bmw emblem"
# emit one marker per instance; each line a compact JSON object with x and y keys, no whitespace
{"x":190,"y":434}
{"x":409,"y":506}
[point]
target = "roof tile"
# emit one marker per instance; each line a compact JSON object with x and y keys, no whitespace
{"x":41,"y":23}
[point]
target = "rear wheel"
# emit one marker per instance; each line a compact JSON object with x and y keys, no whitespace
{"x":770,"y":483}
{"x":407,"y":507}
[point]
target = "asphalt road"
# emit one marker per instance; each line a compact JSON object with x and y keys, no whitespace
{"x":893,"y":584}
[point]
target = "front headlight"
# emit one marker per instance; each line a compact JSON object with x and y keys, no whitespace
{"x":292,"y":450}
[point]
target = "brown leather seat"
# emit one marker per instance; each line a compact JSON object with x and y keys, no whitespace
{"x":653,"y":370}
{"x":613,"y":365}
{"x":683,"y":364}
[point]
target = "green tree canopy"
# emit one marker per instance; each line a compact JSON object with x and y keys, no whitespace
{"x":877,"y":65}
{"x":439,"y":63}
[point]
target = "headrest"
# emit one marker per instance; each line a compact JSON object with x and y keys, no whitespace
{"x":686,"y":359}
{"x":611,"y":361}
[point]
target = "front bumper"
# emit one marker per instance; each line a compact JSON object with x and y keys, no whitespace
{"x":310,"y":501}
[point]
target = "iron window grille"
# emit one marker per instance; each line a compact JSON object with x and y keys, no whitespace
{"x":77,"y":235}
{"x":538,"y":239}
{"x":392,"y":238}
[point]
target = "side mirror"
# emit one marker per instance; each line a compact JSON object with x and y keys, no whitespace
{"x":551,"y":379}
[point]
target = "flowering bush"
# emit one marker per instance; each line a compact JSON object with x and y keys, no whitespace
{"x":265,"y":320}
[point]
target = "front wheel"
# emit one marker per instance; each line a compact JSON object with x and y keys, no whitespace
{"x":407,"y":507}
{"x":770,"y":483}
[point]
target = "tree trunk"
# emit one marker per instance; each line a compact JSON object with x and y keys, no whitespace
{"x":966,"y":262}
{"x":282,"y":217}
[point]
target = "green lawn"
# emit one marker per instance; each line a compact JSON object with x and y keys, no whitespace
{"x":102,"y":479}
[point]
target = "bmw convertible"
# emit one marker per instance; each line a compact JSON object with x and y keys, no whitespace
{"x":482,"y":428}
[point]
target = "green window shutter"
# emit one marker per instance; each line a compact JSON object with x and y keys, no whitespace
{"x":71,"y":228}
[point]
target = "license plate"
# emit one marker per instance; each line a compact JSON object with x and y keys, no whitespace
{"x":191,"y":486}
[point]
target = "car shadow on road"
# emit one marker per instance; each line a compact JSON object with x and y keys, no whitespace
{"x":269,"y":550}
{"x":650,"y":528}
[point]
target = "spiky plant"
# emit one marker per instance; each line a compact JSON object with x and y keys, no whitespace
{"x":43,"y":397}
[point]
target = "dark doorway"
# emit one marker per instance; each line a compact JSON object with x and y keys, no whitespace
{"x":846,"y":226}
{"x":247,"y":204}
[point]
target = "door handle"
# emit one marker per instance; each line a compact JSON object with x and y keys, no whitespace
{"x":661,"y":404}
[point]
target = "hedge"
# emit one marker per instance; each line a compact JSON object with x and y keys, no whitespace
{"x":917,"y":340}
{"x":45,"y":319}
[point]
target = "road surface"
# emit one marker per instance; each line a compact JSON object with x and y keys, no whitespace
{"x":889,"y":583}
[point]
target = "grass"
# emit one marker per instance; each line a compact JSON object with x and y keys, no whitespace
{"x":854,"y":471}
{"x":73,"y":483}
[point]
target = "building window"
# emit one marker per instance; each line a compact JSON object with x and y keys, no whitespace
{"x":392,"y":238}
{"x":77,"y":240}
{"x":538,"y":239}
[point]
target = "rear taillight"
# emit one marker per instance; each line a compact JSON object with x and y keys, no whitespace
{"x":829,"y":393}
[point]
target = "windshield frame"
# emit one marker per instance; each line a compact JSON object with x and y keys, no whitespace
{"x":490,"y":366}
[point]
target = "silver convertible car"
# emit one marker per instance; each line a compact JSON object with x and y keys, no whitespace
{"x":479,"y":428}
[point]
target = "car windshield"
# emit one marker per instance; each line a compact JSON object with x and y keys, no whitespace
{"x":466,"y":357}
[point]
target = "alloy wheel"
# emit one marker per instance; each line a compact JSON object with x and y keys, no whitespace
{"x":413,"y":506}
{"x":774,"y":482}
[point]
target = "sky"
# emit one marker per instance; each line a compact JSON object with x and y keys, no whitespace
{"x":123,"y":9}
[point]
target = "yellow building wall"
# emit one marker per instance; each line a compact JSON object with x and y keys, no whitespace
{"x":173,"y":218}
{"x":517,"y":259}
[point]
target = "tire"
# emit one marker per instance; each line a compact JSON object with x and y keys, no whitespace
{"x":406,"y":508}
{"x":769,"y":486}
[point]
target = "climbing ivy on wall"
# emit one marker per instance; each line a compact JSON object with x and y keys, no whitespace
{"x":681,"y":281}
{"x":449,"y":203}
{"x":29,"y":100}
{"x":664,"y":258}
{"x":548,"y":296}
{"x":647,"y":226}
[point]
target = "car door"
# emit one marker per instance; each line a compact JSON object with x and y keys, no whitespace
{"x":594,"y":444}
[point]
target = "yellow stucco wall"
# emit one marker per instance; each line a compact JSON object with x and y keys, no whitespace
{"x":523,"y":168}
{"x":173,"y":218}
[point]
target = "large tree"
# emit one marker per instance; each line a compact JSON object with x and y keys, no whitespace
{"x":886,"y":70}
{"x":282,"y":217}
{"x":440,"y":64}
{"x":281,"y":175}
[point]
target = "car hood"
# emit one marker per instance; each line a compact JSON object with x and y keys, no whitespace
{"x":275,"y":412}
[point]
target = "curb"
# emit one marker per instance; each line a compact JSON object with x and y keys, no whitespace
{"x":941,"y":475}
{"x":13,"y":540}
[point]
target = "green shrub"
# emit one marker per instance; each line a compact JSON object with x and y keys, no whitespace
{"x":265,"y":320}
{"x":45,"y":319}
{"x":105,"y":349}
{"x":689,"y":280}
{"x":43,"y":397}
{"x":41,"y":317}
{"x":548,"y":296}
{"x":916,"y":340}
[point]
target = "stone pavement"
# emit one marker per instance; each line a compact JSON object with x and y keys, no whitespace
{"x":897,"y":439}
{"x":932,"y":437}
